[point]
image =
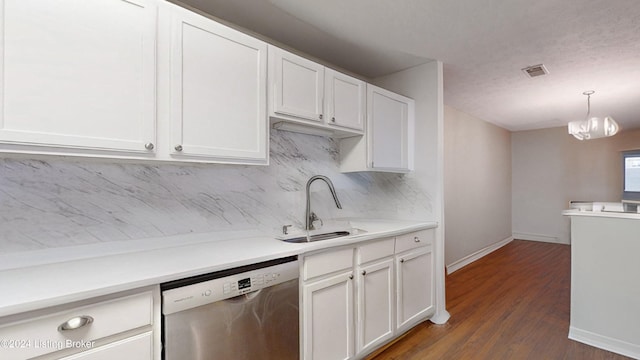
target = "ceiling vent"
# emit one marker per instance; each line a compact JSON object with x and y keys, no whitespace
{"x":535,"y":70}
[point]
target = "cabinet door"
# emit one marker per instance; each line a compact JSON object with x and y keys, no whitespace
{"x":218,"y":91}
{"x":297,"y":86}
{"x":138,"y":347}
{"x":390,"y":130}
{"x":375,"y":304}
{"x":415,"y":286}
{"x":78,"y":74}
{"x":345,"y":99}
{"x":328,"y":318}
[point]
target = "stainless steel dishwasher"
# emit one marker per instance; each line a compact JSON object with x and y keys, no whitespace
{"x":250,"y":312}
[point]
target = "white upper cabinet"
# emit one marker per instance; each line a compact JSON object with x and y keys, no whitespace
{"x":390,"y":130}
{"x":315,"y":99}
{"x":218,"y":92}
{"x":389,"y":144}
{"x":345,"y":99}
{"x":297,"y":86}
{"x":78,"y":75}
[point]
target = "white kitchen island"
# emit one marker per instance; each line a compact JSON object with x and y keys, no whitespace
{"x":605,"y":280}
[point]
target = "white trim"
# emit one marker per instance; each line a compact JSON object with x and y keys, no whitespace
{"x":604,"y":342}
{"x":538,"y":237}
{"x":457,"y":265}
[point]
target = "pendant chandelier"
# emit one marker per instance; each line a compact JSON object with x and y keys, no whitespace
{"x":593,"y":127}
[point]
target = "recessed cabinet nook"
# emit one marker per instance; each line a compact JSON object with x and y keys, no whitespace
{"x":69,"y":95}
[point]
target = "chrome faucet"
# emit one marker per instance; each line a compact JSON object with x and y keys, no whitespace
{"x":309,"y":216}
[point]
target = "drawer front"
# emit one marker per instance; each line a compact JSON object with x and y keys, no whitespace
{"x":375,"y":250}
{"x":41,"y":335}
{"x":414,"y":240}
{"x":139,"y":347}
{"x":327,"y":263}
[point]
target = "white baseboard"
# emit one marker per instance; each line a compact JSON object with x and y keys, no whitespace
{"x":457,"y":265}
{"x":604,"y":342}
{"x":538,"y":237}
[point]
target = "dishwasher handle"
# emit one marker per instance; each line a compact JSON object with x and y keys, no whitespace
{"x":246,"y":297}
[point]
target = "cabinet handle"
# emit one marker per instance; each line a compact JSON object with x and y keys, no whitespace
{"x":333,"y":119}
{"x":364,"y":272}
{"x":351,"y":277}
{"x":75,"y":323}
{"x":149,"y":146}
{"x":416,"y":239}
{"x":320,"y":116}
{"x":401,"y":260}
{"x":178,"y":147}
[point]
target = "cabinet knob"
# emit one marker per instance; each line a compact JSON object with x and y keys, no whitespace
{"x":149,"y":146}
{"x":401,"y":260}
{"x":351,"y":277}
{"x":178,"y":147}
{"x":364,"y":272}
{"x":416,"y":239}
{"x":333,"y":119}
{"x":75,"y":323}
{"x":320,"y":116}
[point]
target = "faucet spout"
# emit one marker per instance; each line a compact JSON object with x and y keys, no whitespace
{"x":309,"y":216}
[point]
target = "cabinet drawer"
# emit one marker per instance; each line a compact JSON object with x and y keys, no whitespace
{"x":41,"y":335}
{"x":375,"y":250}
{"x":414,"y":240}
{"x":137,"y":347}
{"x":327,"y":262}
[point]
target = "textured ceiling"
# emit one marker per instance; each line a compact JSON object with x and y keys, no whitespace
{"x":483,"y":44}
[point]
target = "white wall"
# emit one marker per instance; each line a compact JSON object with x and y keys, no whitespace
{"x":551,"y":168}
{"x":477,"y":188}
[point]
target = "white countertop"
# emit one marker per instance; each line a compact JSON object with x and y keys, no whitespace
{"x":608,"y":214}
{"x":43,"y":278}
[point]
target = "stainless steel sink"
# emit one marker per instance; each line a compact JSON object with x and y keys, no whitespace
{"x":318,"y":237}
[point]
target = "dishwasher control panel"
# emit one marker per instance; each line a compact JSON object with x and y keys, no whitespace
{"x":202,"y":293}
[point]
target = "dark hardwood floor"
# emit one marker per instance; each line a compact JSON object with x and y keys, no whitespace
{"x":511,"y":304}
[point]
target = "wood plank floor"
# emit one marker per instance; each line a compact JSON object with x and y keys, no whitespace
{"x":511,"y":304}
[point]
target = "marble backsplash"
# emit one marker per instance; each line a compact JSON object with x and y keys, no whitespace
{"x":55,"y":202}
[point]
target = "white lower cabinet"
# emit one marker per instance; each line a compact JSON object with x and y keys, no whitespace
{"x":375,"y":304}
{"x":328,"y":318}
{"x":135,"y":347}
{"x":356,"y":299}
{"x":414,"y":280}
{"x":111,"y":327}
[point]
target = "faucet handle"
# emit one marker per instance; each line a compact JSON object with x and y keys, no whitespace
{"x":285,"y":229}
{"x":312,"y":219}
